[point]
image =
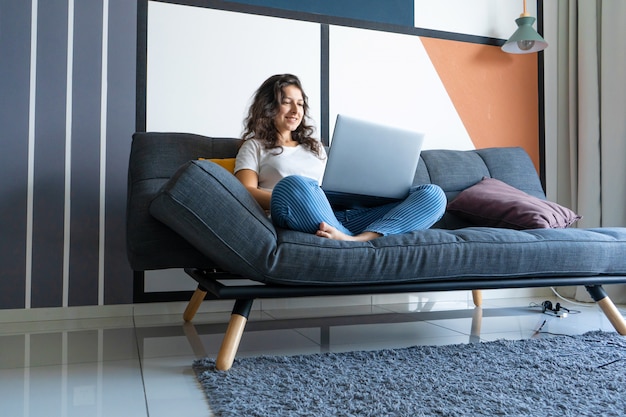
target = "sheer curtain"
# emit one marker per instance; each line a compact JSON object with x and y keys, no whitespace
{"x":591,"y":114}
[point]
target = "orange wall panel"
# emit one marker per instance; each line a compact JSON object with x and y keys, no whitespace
{"x":495,"y":93}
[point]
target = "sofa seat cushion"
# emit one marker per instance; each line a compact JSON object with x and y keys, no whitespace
{"x":439,"y":254}
{"x":210,"y":209}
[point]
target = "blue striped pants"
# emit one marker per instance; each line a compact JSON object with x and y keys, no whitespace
{"x":298,"y":203}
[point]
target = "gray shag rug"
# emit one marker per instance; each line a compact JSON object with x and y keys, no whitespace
{"x":560,"y":376}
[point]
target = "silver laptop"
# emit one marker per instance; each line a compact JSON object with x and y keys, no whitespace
{"x":370,"y":164}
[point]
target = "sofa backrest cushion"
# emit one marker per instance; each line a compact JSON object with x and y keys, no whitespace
{"x":154,"y":158}
{"x":454,"y":171}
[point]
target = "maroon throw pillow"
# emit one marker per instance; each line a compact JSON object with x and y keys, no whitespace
{"x":494,"y":203}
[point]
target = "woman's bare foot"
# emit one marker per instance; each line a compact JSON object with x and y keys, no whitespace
{"x":330,"y":232}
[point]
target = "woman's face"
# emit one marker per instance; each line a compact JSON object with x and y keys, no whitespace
{"x":290,"y":112}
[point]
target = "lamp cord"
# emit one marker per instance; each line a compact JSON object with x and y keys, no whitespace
{"x":578,"y":303}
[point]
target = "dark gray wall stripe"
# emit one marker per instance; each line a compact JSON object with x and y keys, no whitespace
{"x":120,"y":127}
{"x":142,"y":62}
{"x":49,"y":163}
{"x":85,"y":181}
{"x":325,"y":83}
{"x":14,"y":102}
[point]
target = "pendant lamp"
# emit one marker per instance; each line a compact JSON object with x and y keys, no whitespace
{"x":525,"y":40}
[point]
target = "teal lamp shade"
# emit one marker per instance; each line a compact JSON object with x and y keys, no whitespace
{"x":525,"y":40}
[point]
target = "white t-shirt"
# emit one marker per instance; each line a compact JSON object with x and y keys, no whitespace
{"x":273,"y":165}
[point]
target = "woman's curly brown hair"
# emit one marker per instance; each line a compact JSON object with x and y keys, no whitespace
{"x":259,"y":124}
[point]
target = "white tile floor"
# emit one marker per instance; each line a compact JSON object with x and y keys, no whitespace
{"x":141,"y":365}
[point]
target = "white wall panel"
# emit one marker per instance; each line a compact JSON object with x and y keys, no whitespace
{"x":491,"y":18}
{"x":204,"y":65}
{"x":389,"y":78}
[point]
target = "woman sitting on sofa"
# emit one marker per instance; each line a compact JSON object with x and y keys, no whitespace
{"x":282,"y":166}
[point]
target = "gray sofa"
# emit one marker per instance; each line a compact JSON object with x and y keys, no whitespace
{"x":188,"y":213}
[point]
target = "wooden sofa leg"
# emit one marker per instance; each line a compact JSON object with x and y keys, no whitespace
{"x":194,"y":304}
{"x":612,"y":313}
{"x":230,"y":343}
{"x":477,"y":296}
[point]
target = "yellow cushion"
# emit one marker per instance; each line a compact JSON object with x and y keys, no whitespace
{"x":226,"y":163}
